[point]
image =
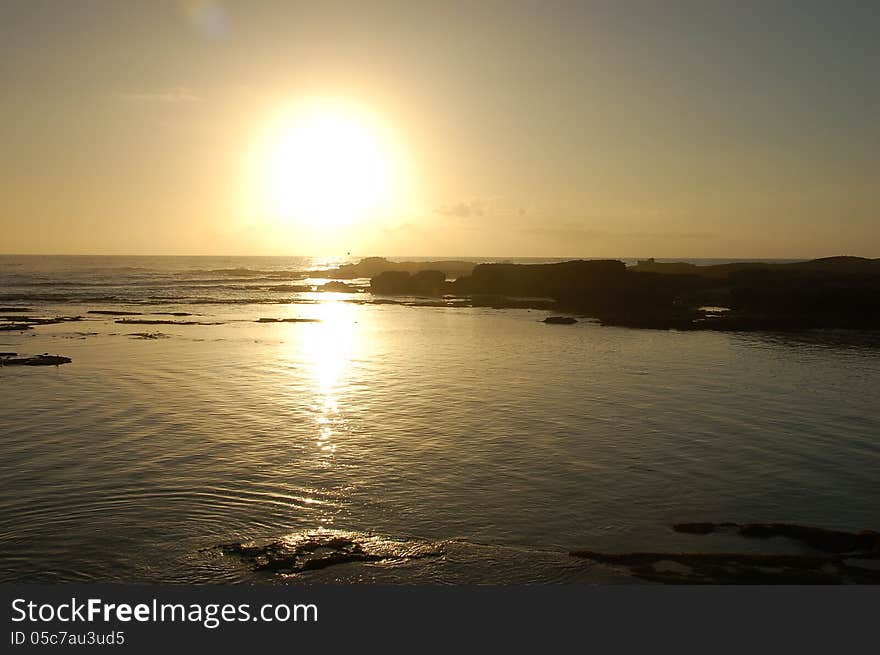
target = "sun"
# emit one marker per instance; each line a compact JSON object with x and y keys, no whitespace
{"x":326,"y":165}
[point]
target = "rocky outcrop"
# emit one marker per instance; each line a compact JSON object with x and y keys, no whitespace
{"x":558,"y":281}
{"x":401,"y":283}
{"x":835,"y":292}
{"x":370,"y":267}
{"x":335,"y":286}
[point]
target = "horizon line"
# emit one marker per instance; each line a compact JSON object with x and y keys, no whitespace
{"x":360,"y":256}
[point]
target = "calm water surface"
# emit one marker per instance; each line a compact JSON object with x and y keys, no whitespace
{"x":501,"y":439}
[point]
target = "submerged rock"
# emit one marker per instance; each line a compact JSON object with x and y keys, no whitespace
{"x":288,"y":320}
{"x":33,"y":320}
{"x":317,"y":550}
{"x":37,"y":360}
{"x":695,"y":528}
{"x":828,"y":541}
{"x":736,"y":568}
{"x":149,"y":335}
{"x":339,"y":287}
{"x":842,"y":558}
{"x":111,"y":312}
{"x":145,"y":321}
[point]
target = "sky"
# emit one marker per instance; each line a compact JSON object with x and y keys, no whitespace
{"x":503,"y":128}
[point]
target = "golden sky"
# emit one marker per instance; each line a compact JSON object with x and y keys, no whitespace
{"x":590,"y":129}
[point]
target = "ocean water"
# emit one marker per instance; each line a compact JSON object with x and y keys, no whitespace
{"x":495,"y":441}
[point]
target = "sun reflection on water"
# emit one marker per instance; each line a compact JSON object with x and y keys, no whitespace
{"x":327,"y":349}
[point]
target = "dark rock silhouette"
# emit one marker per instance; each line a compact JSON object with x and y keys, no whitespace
{"x":149,"y":335}
{"x":698,"y":528}
{"x":736,"y":568}
{"x":373,"y":266}
{"x":288,"y":320}
{"x":841,"y":558}
{"x":833,"y":292}
{"x":560,"y":320}
{"x":147,"y":321}
{"x":110,"y":312}
{"x":543,"y":280}
{"x":866,"y":543}
{"x":28,"y":322}
{"x":422,"y":283}
{"x":312,"y":551}
{"x":37,"y":360}
{"x":339,"y":287}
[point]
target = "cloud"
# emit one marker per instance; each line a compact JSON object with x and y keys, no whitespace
{"x":463,"y":208}
{"x":476,"y":207}
{"x":172,"y":96}
{"x":568,"y":233}
{"x":574,"y":232}
{"x":672,"y":236}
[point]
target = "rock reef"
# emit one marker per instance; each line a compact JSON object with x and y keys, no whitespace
{"x":335,"y":286}
{"x":146,"y":321}
{"x":833,"y":292}
{"x":422,"y":283}
{"x":111,"y":312}
{"x":866,"y":542}
{"x":832,"y":557}
{"x":318,"y":550}
{"x":10,"y":359}
{"x":372,"y":266}
{"x":149,"y":335}
{"x":19,"y":323}
{"x":735,"y":568}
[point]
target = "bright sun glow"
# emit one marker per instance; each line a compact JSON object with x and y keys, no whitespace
{"x":326,"y":165}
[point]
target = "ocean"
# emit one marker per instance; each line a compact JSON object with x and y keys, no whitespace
{"x":488,"y":442}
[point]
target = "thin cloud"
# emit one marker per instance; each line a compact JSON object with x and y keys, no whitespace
{"x":577,"y":233}
{"x":463,"y":208}
{"x":566,"y":232}
{"x":674,"y":236}
{"x":476,"y":207}
{"x":174,"y":96}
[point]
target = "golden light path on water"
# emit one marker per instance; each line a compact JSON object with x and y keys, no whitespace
{"x":327,"y":349}
{"x":315,"y":359}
